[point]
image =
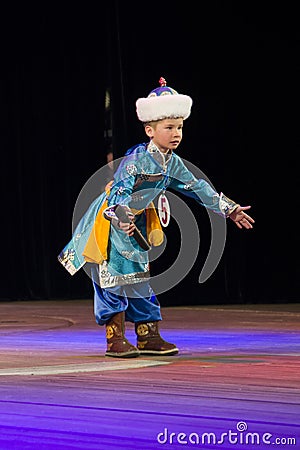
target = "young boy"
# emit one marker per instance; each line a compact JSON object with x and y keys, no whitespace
{"x":107,"y":234}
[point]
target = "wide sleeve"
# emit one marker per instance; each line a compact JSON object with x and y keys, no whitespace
{"x":185,"y":182}
{"x":124,"y":180}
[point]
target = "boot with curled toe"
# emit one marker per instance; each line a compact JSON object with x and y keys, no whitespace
{"x":117,"y":344}
{"x":150,"y":342}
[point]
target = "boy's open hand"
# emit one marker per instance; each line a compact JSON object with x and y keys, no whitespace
{"x":241,"y":219}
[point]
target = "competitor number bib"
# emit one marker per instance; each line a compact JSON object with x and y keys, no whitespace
{"x":164,"y":211}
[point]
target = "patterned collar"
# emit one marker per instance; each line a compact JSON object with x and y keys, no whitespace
{"x":160,"y":157}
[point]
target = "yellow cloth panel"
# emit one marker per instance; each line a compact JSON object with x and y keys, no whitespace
{"x":96,"y":247}
{"x":154,"y":231}
{"x":95,"y":250}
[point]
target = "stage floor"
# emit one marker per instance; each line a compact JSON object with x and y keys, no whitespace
{"x":235,"y":383}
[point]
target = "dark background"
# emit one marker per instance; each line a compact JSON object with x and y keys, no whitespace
{"x":239,"y":61}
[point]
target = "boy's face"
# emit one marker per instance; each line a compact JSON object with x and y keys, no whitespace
{"x":166,"y":134}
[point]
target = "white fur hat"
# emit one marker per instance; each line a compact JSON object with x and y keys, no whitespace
{"x":162,"y":103}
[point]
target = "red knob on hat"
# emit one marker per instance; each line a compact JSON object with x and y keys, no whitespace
{"x":162,"y":81}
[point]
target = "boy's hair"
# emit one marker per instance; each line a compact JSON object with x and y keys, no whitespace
{"x":153,"y":123}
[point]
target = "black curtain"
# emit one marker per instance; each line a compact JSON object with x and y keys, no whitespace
{"x":53,"y":99}
{"x":239,"y":64}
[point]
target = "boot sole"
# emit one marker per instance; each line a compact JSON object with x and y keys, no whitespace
{"x":157,"y":352}
{"x":123,"y":355}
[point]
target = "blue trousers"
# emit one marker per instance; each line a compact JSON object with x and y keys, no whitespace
{"x":137,"y":300}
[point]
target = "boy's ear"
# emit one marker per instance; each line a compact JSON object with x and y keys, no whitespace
{"x":149,"y":131}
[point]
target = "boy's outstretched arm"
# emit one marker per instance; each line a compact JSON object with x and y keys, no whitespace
{"x":241,"y":219}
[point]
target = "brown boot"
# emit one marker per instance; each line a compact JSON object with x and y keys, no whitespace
{"x":117,"y":344}
{"x":150,"y":342}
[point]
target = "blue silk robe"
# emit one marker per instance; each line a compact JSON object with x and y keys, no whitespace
{"x":142,"y":175}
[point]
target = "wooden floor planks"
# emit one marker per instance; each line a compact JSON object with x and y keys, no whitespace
{"x":235,"y":382}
